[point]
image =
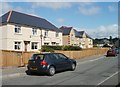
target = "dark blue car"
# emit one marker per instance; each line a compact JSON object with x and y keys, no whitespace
{"x":50,"y":63}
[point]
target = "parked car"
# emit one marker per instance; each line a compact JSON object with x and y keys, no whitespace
{"x":117,"y":50}
{"x":111,"y":52}
{"x":50,"y":63}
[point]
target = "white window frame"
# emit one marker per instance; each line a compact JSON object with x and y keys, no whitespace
{"x":46,"y":33}
{"x":34,"y":31}
{"x":57,"y":34}
{"x":17,"y":29}
{"x":34,"y":45}
{"x":17,"y":45}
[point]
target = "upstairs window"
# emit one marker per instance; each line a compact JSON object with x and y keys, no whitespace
{"x":17,"y":45}
{"x":17,"y":29}
{"x":46,"y":33}
{"x":34,"y":31}
{"x":57,"y":34}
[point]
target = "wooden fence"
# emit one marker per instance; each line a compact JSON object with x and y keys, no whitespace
{"x":12,"y":58}
{"x":84,"y":53}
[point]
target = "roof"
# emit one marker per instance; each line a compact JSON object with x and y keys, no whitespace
{"x":29,"y":20}
{"x":76,"y":33}
{"x":66,"y":30}
{"x":81,"y":34}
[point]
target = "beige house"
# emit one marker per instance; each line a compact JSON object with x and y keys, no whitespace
{"x":23,"y":32}
{"x":76,"y":38}
{"x":85,"y":40}
{"x":70,"y":36}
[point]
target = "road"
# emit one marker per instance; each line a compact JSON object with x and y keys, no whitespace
{"x":91,"y":71}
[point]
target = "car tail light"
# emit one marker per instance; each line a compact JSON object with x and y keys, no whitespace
{"x":43,"y":63}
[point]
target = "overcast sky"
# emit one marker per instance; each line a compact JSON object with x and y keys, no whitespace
{"x":98,"y":19}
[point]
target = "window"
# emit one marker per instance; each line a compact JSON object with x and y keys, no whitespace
{"x":57,"y":34}
{"x":46,"y":33}
{"x":17,"y":29}
{"x":62,"y":56}
{"x":46,"y":43}
{"x":17,"y":45}
{"x":34,"y":31}
{"x":53,"y":43}
{"x":37,"y":57}
{"x":72,"y":37}
{"x":34,"y":45}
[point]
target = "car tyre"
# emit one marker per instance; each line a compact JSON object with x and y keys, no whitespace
{"x":29,"y":72}
{"x":51,"y":71}
{"x":73,"y":67}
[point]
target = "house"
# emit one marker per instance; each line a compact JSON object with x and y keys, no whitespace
{"x":102,"y":42}
{"x":85,"y":40}
{"x":76,"y":38}
{"x":70,"y":36}
{"x":23,"y":32}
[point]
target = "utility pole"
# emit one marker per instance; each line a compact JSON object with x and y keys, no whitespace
{"x":41,"y":36}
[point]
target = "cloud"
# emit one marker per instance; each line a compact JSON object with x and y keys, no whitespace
{"x":7,"y":6}
{"x":112,"y":8}
{"x":88,"y":9}
{"x":103,"y":31}
{"x":60,"y":20}
{"x":52,"y":5}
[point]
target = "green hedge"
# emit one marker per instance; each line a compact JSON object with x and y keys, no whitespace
{"x":71,"y":48}
{"x":46,"y":49}
{"x":54,"y":47}
{"x":65,"y":48}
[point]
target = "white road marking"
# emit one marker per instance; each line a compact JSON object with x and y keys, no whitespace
{"x":108,"y":78}
{"x":90,"y":60}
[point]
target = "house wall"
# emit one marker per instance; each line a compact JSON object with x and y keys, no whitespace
{"x":66,"y":40}
{"x":86,"y":42}
{"x":3,"y":37}
{"x":52,"y":38}
{"x":73,"y":39}
{"x":9,"y":36}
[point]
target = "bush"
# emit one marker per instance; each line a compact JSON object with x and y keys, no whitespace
{"x":54,"y":47}
{"x":65,"y":48}
{"x":71,"y":48}
{"x":46,"y":49}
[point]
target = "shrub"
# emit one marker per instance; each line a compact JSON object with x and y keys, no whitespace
{"x":65,"y":48}
{"x":71,"y":48}
{"x":46,"y":49}
{"x":54,"y":47}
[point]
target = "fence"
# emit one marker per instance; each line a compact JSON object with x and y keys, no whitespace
{"x":84,"y":53}
{"x":12,"y":58}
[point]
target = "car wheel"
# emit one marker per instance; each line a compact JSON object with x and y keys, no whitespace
{"x":29,"y":72}
{"x":73,"y":67}
{"x":51,"y":71}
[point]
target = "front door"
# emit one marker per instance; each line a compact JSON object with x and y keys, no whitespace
{"x":26,"y":45}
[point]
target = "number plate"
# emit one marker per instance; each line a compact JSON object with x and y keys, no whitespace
{"x":33,"y":68}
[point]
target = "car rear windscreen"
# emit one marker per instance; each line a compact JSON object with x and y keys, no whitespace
{"x":37,"y":56}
